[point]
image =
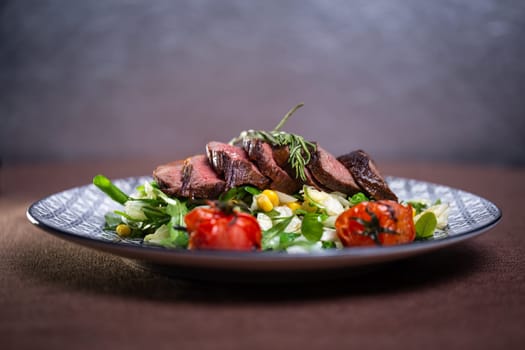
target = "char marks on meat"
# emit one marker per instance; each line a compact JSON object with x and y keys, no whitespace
{"x":226,"y":166}
{"x":261,"y":153}
{"x":330,"y":173}
{"x":199,"y":180}
{"x":366,"y":174}
{"x":169,"y":177}
{"x":233,"y":165}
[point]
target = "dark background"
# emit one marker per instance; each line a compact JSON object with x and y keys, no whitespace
{"x":409,"y":80}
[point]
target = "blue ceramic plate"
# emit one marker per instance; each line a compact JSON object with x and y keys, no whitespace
{"x":77,"y":215}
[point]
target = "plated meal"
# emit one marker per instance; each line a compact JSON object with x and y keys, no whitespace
{"x":271,"y":191}
{"x":268,"y":206}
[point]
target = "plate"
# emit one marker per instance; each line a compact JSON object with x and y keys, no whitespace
{"x":77,"y":215}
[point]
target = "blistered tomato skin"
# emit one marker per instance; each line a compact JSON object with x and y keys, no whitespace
{"x":211,"y":228}
{"x":383,"y":222}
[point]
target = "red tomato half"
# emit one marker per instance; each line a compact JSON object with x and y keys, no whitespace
{"x":383,"y":222}
{"x":212,"y":228}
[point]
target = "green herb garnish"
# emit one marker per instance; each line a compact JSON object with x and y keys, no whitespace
{"x":300,"y":149}
{"x":418,"y":206}
{"x":358,"y":198}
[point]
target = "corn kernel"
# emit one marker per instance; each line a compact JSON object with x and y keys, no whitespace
{"x":123,"y":230}
{"x":294,"y":206}
{"x":413,"y":212}
{"x":264,"y":203}
{"x":272,"y":196}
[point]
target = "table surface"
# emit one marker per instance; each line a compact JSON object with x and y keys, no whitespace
{"x":55,"y":294}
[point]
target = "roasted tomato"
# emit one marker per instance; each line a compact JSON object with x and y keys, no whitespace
{"x":215,"y":228}
{"x":383,"y":222}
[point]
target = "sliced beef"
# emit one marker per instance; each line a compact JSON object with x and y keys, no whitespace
{"x":169,"y":177}
{"x":261,"y":154}
{"x":233,"y":165}
{"x":281,"y":156}
{"x":199,"y":180}
{"x":328,"y":171}
{"x":311,"y":181}
{"x":366,"y":174}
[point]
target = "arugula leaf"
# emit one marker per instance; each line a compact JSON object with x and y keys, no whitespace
{"x":166,"y":234}
{"x":268,"y":240}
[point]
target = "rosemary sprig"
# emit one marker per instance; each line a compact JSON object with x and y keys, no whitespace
{"x":300,"y":149}
{"x":287,"y":116}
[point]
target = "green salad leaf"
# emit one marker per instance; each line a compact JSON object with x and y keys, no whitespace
{"x":287,"y":239}
{"x":358,"y":198}
{"x":268,"y":240}
{"x":328,"y":244}
{"x":312,"y":226}
{"x":426,"y":225}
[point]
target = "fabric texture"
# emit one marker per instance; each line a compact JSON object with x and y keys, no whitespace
{"x":55,"y":294}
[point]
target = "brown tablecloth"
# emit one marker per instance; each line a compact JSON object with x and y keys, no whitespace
{"x":57,"y":295}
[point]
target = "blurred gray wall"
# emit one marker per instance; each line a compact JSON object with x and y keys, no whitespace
{"x":407,"y":79}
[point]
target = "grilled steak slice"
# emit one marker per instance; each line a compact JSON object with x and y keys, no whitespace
{"x":311,"y":181}
{"x":199,"y":180}
{"x":366,"y":174}
{"x":281,"y":156}
{"x":261,"y":154}
{"x":233,"y":165}
{"x":331,"y":173}
{"x":169,"y":177}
